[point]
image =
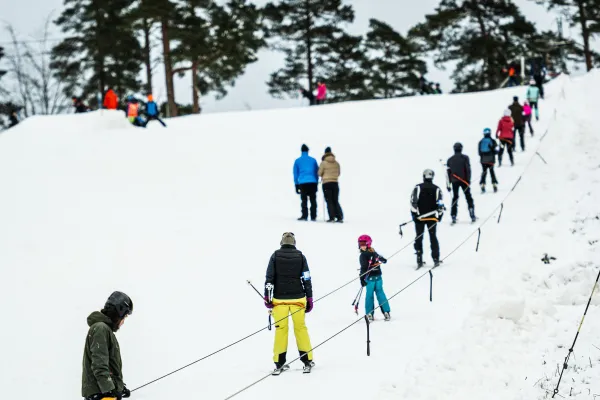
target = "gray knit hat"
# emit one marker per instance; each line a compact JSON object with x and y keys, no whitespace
{"x":288,"y":238}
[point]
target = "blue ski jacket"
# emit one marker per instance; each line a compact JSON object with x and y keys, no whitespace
{"x":306,"y":170}
{"x":151,"y":109}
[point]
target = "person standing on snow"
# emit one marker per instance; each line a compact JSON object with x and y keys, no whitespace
{"x":152,"y":112}
{"x":487,"y":153}
{"x":370,"y":276}
{"x":505,"y":132}
{"x":102,"y":366}
{"x":427,"y":209}
{"x":321,"y":92}
{"x":79,"y":105}
{"x":288,"y":290}
{"x":306,"y":179}
{"x":533,"y":96}
{"x":527,"y":116}
{"x":308,"y":95}
{"x":111,"y":101}
{"x":13,"y":119}
{"x":329,"y":171}
{"x":517,"y":116}
{"x":459,"y":177}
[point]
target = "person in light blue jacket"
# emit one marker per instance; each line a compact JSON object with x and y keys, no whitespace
{"x":306,"y":179}
{"x":533,"y":95}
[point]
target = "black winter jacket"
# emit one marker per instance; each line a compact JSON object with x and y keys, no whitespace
{"x":370,"y":261}
{"x":459,"y":166}
{"x":426,"y":198}
{"x":288,"y":272}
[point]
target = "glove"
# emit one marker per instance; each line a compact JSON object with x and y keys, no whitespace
{"x":363,"y":283}
{"x":268,"y":304}
{"x":126,"y":392}
{"x":382,"y":260}
{"x":449,"y":189}
{"x":309,"y":304}
{"x":298,"y":191}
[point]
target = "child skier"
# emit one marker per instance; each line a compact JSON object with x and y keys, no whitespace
{"x":370,"y":276}
{"x":533,"y":95}
{"x":527,"y":116}
{"x":487,"y":153}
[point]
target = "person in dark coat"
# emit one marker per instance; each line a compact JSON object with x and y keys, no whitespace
{"x":79,"y":105}
{"x":13,"y":119}
{"x":102,"y":367}
{"x":516,"y":110}
{"x":307,"y":94}
{"x":459,"y":177}
{"x":288,"y":290}
{"x":427,"y":209}
{"x":488,"y":148}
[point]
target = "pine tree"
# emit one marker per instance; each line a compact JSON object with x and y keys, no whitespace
{"x":584,"y":14}
{"x":394,"y":65}
{"x":306,"y":31}
{"x":101,"y":51}
{"x":216,"y":43}
{"x":481,"y":36}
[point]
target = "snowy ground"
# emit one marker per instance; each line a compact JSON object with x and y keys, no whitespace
{"x":180,"y":218}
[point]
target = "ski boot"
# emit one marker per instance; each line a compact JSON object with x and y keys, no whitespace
{"x":279,"y":369}
{"x":453,"y":219}
{"x":472,"y":214}
{"x":303,"y":219}
{"x":495,"y":187}
{"x":419,"y":259}
{"x":483,"y":188}
{"x":308,"y":367}
{"x":386,"y":316}
{"x":370,"y":317}
{"x":331,"y":220}
{"x":436,"y":262}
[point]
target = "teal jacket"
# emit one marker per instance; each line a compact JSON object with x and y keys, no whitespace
{"x":533,"y":93}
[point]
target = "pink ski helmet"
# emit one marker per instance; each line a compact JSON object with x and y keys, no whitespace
{"x":366,"y":239}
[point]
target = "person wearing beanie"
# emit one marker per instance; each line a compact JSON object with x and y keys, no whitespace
{"x":102,"y":366}
{"x":505,"y":132}
{"x":517,"y":115}
{"x":427,"y":209}
{"x":527,"y":116}
{"x":488,"y":148}
{"x":533,"y":96}
{"x":306,"y":179}
{"x":370,"y":277}
{"x":459,"y":177}
{"x":288,"y":291}
{"x":152,"y":112}
{"x":329,"y":171}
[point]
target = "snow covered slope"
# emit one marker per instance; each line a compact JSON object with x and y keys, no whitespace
{"x":180,"y":218}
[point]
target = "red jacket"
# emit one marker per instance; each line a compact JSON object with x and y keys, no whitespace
{"x":505,"y":129}
{"x":110,"y":100}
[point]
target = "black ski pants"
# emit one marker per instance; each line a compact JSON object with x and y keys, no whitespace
{"x":432,"y":228}
{"x":156,"y":118}
{"x":509,"y":146}
{"x":331,"y":190}
{"x":527,"y":119}
{"x":455,"y":190}
{"x":309,"y":190}
{"x":520,"y":131}
{"x":539,"y":82}
{"x":487,"y":167}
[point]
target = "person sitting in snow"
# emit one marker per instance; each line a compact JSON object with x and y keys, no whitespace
{"x":79,"y":105}
{"x":307,"y":94}
{"x":133,"y":112}
{"x":370,"y":276}
{"x":152,"y":111}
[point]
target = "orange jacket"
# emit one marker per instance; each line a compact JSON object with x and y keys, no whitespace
{"x":110,"y":100}
{"x":133,"y":109}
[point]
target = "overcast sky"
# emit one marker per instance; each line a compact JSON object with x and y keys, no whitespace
{"x":28,"y":17}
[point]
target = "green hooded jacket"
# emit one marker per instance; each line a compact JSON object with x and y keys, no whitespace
{"x":102,"y":366}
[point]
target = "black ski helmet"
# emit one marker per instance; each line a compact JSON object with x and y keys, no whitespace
{"x":121,"y":303}
{"x":458,"y":147}
{"x":428,"y":175}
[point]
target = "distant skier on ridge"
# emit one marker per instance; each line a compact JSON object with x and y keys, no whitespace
{"x":459,"y":177}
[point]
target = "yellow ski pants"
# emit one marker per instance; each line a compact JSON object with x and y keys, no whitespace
{"x":281,"y":310}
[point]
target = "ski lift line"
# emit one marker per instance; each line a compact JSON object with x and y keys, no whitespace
{"x":334,"y":291}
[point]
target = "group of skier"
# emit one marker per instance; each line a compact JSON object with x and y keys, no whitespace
{"x":288,"y":285}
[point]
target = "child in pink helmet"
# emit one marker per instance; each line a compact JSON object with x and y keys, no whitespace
{"x":370,"y":276}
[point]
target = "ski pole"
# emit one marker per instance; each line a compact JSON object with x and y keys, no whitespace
{"x":261,"y":296}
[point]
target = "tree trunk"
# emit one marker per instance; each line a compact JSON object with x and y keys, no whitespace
{"x":195,"y":97}
{"x":309,"y":47}
{"x":585,"y":32}
{"x":168,"y":67}
{"x":146,"y":26}
{"x":488,"y":62}
{"x":100,"y":56}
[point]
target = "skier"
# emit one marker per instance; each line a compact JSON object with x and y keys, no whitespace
{"x":306,"y":179}
{"x":321,"y":92}
{"x":517,"y":116}
{"x":533,"y":95}
{"x":308,"y":95}
{"x":527,"y":116}
{"x":13,"y":119}
{"x":329,"y":171}
{"x":79,"y":105}
{"x":370,"y":276}
{"x":288,"y":290}
{"x":152,"y":112}
{"x":487,"y":152}
{"x":506,"y":134}
{"x":539,"y":75}
{"x":438,"y":89}
{"x":427,"y":209}
{"x":459,"y":177}
{"x":111,"y":101}
{"x":102,"y":366}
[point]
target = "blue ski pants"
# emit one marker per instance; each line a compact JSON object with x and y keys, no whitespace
{"x":375,"y":287}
